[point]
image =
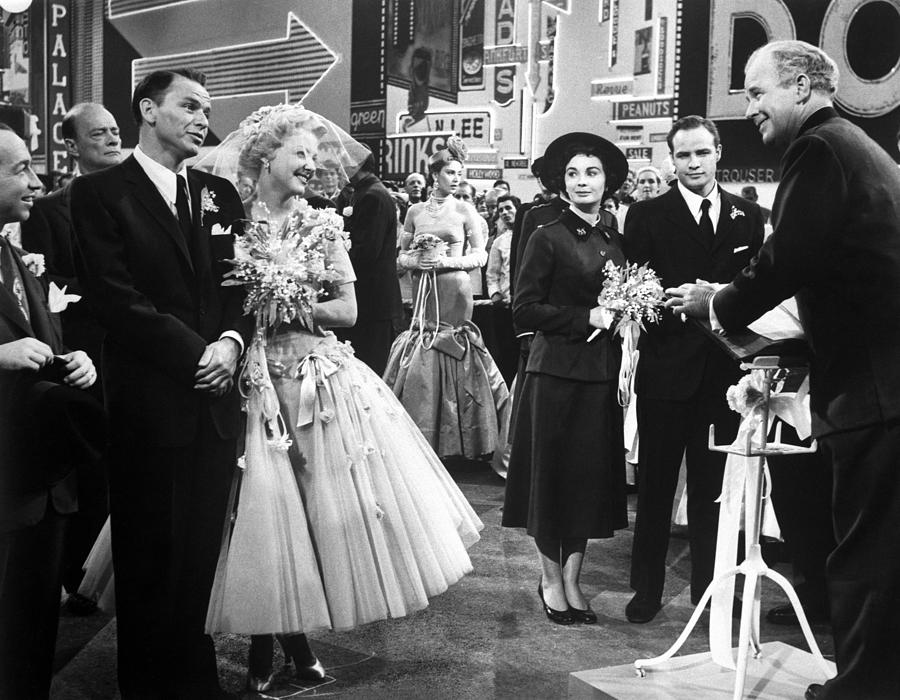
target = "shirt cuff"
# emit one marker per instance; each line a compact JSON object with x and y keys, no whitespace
{"x":236,"y":337}
{"x":713,"y":319}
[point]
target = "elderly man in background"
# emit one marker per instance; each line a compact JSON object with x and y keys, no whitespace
{"x":836,"y":248}
{"x":92,"y":139}
{"x":415,"y":187}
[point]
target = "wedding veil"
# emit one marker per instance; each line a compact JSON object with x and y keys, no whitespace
{"x":337,"y":150}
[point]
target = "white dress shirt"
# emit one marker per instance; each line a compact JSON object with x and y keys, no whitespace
{"x":693,"y":201}
{"x":497,"y":272}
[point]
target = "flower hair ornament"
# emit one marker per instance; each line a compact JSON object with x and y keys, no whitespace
{"x":454,"y":149}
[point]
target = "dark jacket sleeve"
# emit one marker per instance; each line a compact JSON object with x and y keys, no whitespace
{"x":801,"y":241}
{"x":372,"y":214}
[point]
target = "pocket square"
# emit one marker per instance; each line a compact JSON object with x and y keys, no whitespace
{"x":740,"y":248}
{"x":217,"y":230}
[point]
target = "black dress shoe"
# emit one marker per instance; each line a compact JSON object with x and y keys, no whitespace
{"x":560,"y":617}
{"x":814,"y":691}
{"x":585,"y":617}
{"x":641,"y":609}
{"x":313,"y":672}
{"x":785,"y":615}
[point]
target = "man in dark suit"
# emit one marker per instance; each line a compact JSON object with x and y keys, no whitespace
{"x":836,"y":248}
{"x":150,"y":240}
{"x":372,"y":224}
{"x":48,"y":427}
{"x":92,"y":139}
{"x":694,"y":231}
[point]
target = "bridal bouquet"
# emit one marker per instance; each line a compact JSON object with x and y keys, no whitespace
{"x":428,"y":247}
{"x":283,"y":268}
{"x":633,"y":294}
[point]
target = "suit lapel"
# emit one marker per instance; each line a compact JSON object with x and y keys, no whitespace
{"x":146,"y":193}
{"x":40,"y":325}
{"x":726,"y":225}
{"x":199,"y":242}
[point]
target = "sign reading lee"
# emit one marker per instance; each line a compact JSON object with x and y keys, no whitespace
{"x":473,"y":127}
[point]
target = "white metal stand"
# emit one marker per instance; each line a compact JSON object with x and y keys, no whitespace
{"x":753,"y":567}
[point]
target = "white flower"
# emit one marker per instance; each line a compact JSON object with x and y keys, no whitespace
{"x":35,"y":263}
{"x":58,"y":300}
{"x":735,"y":212}
{"x":208,"y":201}
{"x":326,"y":415}
{"x":347,"y":212}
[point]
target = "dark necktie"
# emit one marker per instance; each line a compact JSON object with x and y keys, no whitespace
{"x":707,"y":232}
{"x":11,"y":278}
{"x":182,"y":209}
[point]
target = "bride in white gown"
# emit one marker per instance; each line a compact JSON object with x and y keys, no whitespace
{"x":357,"y":519}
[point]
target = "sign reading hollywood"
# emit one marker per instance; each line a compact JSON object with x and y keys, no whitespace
{"x":407,"y":153}
{"x":643,"y":109}
{"x":472,"y":127}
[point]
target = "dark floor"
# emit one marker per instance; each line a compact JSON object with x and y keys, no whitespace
{"x":485,"y":638}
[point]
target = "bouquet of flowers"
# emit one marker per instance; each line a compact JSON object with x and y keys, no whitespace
{"x":428,"y":247}
{"x":633,"y":294}
{"x":284,"y":269}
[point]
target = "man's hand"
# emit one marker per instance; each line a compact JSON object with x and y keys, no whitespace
{"x":690,"y":300}
{"x":80,"y":370}
{"x":26,"y":353}
{"x":215,"y":370}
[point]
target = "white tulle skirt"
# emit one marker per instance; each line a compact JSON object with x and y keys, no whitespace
{"x":344,"y":514}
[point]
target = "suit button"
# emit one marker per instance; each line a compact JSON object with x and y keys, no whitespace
{"x":202,"y":311}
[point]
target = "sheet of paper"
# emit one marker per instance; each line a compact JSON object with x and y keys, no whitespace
{"x":781,"y":323}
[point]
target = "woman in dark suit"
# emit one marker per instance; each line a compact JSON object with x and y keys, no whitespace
{"x":566,"y":479}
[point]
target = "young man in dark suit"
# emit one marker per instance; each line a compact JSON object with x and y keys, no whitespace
{"x":694,"y":231}
{"x":92,"y":139}
{"x":836,"y":248}
{"x":372,"y":224}
{"x":49,"y":426}
{"x":150,"y":240}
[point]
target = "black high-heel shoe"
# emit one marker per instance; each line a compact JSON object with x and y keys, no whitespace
{"x":585,"y":617}
{"x":260,"y":673}
{"x":559,"y":617}
{"x":306,"y":666}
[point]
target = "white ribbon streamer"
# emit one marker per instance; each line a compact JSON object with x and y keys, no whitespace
{"x":739,"y":486}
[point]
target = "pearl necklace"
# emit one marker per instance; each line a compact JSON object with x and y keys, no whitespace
{"x":435,"y":205}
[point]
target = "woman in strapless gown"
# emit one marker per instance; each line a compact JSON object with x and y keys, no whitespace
{"x":439,"y":368}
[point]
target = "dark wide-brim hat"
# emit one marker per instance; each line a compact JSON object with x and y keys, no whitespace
{"x":559,"y":152}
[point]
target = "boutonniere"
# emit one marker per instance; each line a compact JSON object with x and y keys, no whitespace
{"x":735,"y":212}
{"x":208,"y":201}
{"x":347,"y":212}
{"x":58,"y":300}
{"x":581,"y":232}
{"x":34,"y":262}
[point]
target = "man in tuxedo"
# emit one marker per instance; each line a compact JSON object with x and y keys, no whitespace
{"x":694,"y":231}
{"x":91,"y":135}
{"x":835,"y":247}
{"x":372,"y":224}
{"x":49,"y":427}
{"x":150,"y":240}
